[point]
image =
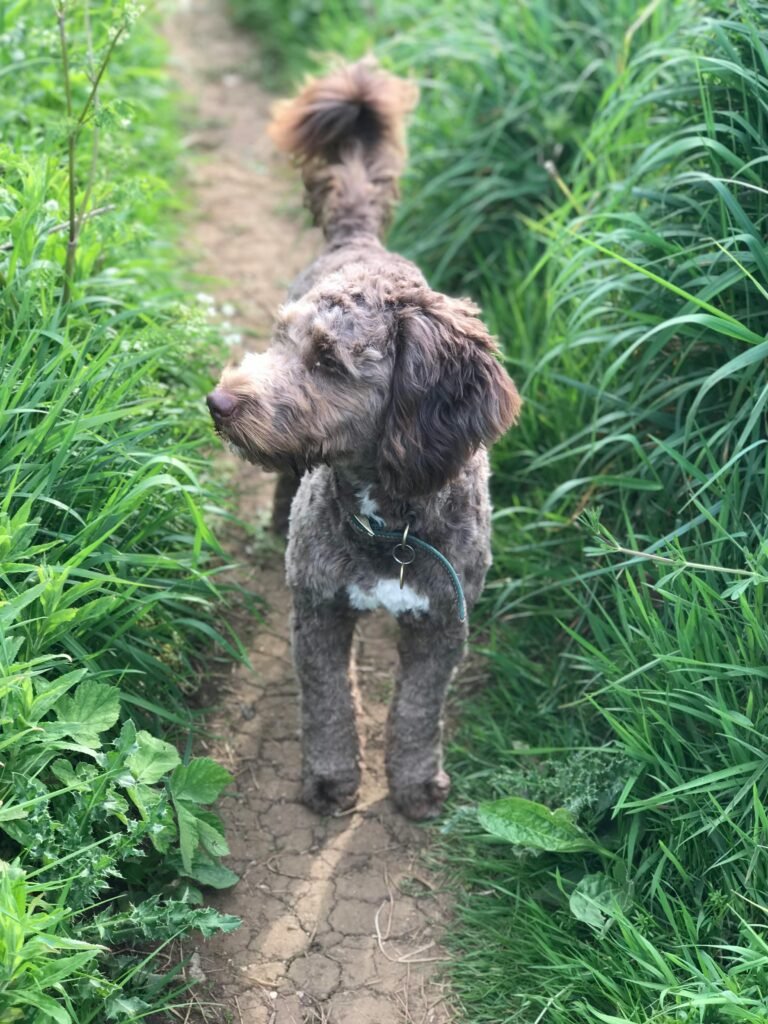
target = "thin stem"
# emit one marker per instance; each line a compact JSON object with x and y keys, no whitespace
{"x":679,"y":563}
{"x":95,"y":148}
{"x":76,"y":220}
{"x":551,"y":168}
{"x":69,"y":264}
{"x":98,"y":212}
{"x":97,"y":79}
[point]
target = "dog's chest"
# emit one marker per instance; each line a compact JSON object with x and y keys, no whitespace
{"x":387,"y":594}
{"x":384,"y":593}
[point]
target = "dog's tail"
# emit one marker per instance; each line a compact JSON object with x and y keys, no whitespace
{"x":347,"y":132}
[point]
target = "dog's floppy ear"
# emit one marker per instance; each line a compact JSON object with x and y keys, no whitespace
{"x":449,"y":395}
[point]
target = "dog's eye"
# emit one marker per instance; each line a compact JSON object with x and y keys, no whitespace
{"x":325,"y":361}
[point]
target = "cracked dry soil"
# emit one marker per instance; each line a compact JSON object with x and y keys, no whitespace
{"x":341,"y":922}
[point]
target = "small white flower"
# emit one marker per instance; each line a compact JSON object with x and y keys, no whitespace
{"x":204,"y":299}
{"x":133,"y":12}
{"x":228,"y":309}
{"x":51,"y":204}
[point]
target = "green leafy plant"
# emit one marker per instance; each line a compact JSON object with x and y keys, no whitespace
{"x":525,"y":823}
{"x":597,"y":900}
{"x":201,"y":835}
{"x":36,"y":961}
{"x":108,"y":559}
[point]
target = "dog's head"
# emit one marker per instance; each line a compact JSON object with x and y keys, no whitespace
{"x":367,"y":370}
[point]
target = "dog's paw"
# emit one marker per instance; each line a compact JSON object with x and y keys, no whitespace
{"x":422,"y":800}
{"x":329,"y":795}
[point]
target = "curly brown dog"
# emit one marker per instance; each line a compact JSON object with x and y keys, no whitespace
{"x":385,"y":395}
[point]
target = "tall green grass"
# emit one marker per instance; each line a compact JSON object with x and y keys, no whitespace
{"x":108,"y":566}
{"x":595,"y":175}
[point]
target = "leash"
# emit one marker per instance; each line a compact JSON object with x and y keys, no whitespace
{"x":404,"y":552}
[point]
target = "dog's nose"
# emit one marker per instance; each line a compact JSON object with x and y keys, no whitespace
{"x":221,"y":404}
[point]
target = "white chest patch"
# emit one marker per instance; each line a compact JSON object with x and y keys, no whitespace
{"x":387,"y":594}
{"x":368,"y":506}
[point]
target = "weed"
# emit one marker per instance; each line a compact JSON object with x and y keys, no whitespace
{"x":108,"y":563}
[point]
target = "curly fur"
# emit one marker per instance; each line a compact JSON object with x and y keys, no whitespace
{"x":346,"y":131}
{"x":385,"y":395}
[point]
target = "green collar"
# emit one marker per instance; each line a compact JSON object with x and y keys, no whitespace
{"x":404,"y":552}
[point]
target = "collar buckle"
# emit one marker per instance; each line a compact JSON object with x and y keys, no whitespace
{"x":364,"y":522}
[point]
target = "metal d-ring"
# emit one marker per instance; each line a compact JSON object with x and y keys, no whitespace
{"x":403,"y":553}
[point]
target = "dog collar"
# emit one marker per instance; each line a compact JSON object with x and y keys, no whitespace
{"x":404,"y":552}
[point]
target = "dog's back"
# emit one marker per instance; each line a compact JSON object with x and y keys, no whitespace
{"x":347,"y":132}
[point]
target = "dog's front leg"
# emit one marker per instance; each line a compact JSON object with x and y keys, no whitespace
{"x":429,"y":655}
{"x":322,"y":642}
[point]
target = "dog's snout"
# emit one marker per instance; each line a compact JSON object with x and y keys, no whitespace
{"x":221,"y":403}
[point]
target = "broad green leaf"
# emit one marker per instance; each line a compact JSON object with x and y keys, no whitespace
{"x":126,"y":1008}
{"x":216,"y":875}
{"x":126,"y":738}
{"x":209,"y":921}
{"x":200,"y":781}
{"x":49,"y":943}
{"x":13,"y":893}
{"x":211,"y":835}
{"x":41,"y":1001}
{"x":11,"y":610}
{"x":153,"y":759}
{"x":56,"y":970}
{"x":82,"y":777}
{"x":596,"y":900}
{"x":145,"y":798}
{"x":12,"y":813}
{"x":47,"y":693}
{"x":93,"y":708}
{"x":189,"y":837}
{"x":152,"y":802}
{"x":64,"y":771}
{"x":526,"y":823}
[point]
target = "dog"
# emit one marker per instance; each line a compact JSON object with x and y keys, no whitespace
{"x":382,"y":396}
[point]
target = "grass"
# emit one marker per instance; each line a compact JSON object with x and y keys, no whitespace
{"x":108,"y":564}
{"x":594,"y":175}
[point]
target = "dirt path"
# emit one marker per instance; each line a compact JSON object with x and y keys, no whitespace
{"x":340,"y":918}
